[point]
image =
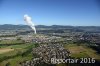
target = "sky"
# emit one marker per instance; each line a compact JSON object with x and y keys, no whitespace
{"x":51,"y":12}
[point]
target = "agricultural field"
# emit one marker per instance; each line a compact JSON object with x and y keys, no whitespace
{"x":14,"y":54}
{"x":11,"y":42}
{"x":81,"y":51}
{"x":4,"y":50}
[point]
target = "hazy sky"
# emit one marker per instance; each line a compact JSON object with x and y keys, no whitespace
{"x":51,"y":12}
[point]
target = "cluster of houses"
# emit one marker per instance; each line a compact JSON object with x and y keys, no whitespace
{"x":76,"y":36}
{"x":93,"y":38}
{"x":45,"y":52}
{"x":39,"y":38}
{"x":50,"y":37}
{"x":7,"y":32}
{"x":8,"y":38}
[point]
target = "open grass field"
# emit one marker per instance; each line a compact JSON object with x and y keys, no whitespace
{"x":16,"y":61}
{"x":11,"y":41}
{"x":13,"y":50}
{"x":81,"y":51}
{"x":4,"y":50}
{"x":15,"y":53}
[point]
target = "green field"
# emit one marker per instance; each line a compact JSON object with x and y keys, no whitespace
{"x":22,"y":52}
{"x":11,"y":42}
{"x":19,"y":54}
{"x":81,"y":51}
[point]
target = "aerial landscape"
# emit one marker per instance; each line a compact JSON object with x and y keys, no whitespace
{"x":49,"y":33}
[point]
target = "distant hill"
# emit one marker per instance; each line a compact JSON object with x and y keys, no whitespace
{"x":53,"y":27}
{"x":12,"y":27}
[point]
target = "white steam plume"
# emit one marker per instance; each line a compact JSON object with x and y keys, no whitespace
{"x":28,"y":20}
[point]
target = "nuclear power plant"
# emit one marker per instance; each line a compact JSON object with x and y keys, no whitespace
{"x":29,"y":22}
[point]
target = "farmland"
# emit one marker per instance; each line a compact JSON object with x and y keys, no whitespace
{"x":82,"y":51}
{"x":64,"y":42}
{"x":15,"y":54}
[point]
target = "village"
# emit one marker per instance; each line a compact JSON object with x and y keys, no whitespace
{"x":39,"y":49}
{"x":45,"y":53}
